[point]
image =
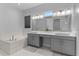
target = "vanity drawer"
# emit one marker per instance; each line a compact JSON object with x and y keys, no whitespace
{"x":34,"y":40}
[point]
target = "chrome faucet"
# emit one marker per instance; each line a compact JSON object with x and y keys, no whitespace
{"x":12,"y":38}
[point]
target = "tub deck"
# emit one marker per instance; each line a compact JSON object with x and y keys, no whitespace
{"x":12,"y":46}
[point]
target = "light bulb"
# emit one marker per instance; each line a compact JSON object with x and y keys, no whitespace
{"x":41,"y":16}
{"x":33,"y":17}
{"x":58,"y":13}
{"x":63,"y":13}
{"x":36,"y":17}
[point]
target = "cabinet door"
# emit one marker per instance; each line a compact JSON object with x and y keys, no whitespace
{"x":30,"y":39}
{"x":56,"y":44}
{"x":46,"y":42}
{"x":36,"y":40}
{"x":69,"y":47}
{"x":65,"y":46}
{"x":33,"y":39}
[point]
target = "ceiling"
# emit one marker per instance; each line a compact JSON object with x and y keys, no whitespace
{"x":22,"y":6}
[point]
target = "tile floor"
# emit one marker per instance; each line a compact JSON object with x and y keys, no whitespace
{"x":32,"y":51}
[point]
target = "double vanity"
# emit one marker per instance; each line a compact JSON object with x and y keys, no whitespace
{"x":64,"y":43}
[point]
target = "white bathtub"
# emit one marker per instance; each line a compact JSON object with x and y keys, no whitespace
{"x":13,"y":46}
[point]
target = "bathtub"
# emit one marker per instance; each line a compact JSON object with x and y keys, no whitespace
{"x":12,"y":46}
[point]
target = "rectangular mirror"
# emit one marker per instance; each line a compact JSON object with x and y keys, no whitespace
{"x":57,"y":23}
{"x":62,"y":23}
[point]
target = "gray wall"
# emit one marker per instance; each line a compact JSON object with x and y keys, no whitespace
{"x":11,"y":19}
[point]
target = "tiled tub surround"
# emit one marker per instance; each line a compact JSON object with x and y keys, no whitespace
{"x":12,"y":46}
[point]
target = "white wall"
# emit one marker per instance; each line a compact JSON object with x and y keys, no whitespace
{"x":11,"y":19}
{"x":76,"y":26}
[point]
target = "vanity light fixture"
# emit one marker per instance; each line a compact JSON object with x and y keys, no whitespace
{"x":41,"y":16}
{"x":37,"y":17}
{"x":63,"y":13}
{"x":34,"y":17}
{"x":58,"y":13}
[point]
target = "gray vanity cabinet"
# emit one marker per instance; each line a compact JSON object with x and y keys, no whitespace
{"x":56,"y":44}
{"x":69,"y":47}
{"x":33,"y":40}
{"x":64,"y":45}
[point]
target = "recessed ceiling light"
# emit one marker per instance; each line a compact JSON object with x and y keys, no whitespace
{"x":63,"y":13}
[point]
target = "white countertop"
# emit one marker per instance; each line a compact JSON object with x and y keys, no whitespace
{"x":54,"y":33}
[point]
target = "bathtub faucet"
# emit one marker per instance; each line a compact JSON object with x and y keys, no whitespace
{"x":12,"y":37}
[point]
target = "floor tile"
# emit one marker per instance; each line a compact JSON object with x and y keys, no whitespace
{"x":32,"y":51}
